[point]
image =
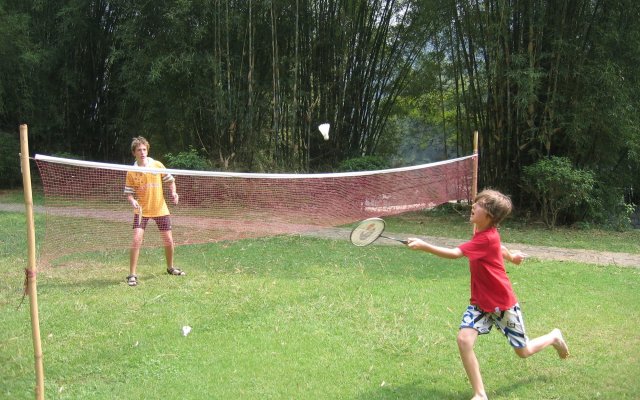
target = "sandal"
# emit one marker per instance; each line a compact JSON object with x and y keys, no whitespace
{"x":132,"y":280}
{"x":175,"y":271}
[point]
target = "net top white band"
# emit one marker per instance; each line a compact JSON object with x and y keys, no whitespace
{"x":183,"y":172}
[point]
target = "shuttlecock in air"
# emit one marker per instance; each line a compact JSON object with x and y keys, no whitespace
{"x":185,"y":330}
{"x":324,"y":129}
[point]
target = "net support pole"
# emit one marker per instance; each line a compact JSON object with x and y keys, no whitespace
{"x":474,"y":182}
{"x":31,"y":268}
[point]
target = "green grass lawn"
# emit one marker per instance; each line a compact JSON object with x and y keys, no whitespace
{"x":306,"y":318}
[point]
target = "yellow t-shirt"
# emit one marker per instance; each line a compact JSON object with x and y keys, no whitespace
{"x":147,"y":188}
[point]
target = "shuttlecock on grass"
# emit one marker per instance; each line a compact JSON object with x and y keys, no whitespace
{"x":185,"y":330}
{"x":324,"y":129}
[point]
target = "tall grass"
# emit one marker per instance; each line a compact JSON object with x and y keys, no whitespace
{"x":304,"y":318}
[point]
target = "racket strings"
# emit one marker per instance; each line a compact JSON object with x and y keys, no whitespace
{"x":367,"y":231}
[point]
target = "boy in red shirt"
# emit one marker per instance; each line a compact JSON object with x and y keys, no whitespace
{"x":493,"y":301}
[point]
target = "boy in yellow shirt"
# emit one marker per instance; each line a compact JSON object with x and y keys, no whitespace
{"x":145,"y":194}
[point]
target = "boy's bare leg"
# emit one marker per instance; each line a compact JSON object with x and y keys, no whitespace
{"x":167,"y":239}
{"x":466,"y":340}
{"x":138,"y":235}
{"x":553,"y":338}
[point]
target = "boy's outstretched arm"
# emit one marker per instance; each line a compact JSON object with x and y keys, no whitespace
{"x":444,"y":252}
{"x":515,"y":256}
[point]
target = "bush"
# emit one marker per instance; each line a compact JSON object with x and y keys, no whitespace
{"x":366,"y":163}
{"x":187,"y":160}
{"x":558,"y":186}
{"x":10,"y":175}
{"x":613,"y":212}
{"x":66,"y":154}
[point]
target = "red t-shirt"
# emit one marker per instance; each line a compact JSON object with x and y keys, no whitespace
{"x":490,"y":286}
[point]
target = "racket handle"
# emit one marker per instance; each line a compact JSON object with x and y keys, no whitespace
{"x":403,"y":241}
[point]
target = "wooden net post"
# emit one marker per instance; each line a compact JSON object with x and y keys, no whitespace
{"x":31,"y":268}
{"x":474,"y":183}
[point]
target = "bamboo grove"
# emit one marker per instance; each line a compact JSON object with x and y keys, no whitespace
{"x":246,"y":82}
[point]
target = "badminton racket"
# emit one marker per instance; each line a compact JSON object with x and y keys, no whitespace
{"x":367,"y":231}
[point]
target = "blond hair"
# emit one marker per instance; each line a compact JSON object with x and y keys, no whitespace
{"x":497,"y":205}
{"x":137,"y":141}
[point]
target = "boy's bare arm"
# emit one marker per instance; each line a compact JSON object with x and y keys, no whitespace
{"x":174,"y":194}
{"x":444,"y":252}
{"x":515,"y":256}
{"x":132,"y":200}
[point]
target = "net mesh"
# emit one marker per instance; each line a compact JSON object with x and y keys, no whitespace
{"x":86,"y":209}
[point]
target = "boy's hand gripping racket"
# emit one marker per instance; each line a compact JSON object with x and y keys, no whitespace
{"x":367,"y":231}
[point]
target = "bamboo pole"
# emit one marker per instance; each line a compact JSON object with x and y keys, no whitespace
{"x":474,"y":183}
{"x":31,"y":269}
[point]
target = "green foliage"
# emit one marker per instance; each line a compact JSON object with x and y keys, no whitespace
{"x":9,"y":161}
{"x":66,"y":154}
{"x":365,"y":163}
{"x":187,"y":160}
{"x":558,"y":186}
{"x":248,"y":88}
{"x":615,"y":213}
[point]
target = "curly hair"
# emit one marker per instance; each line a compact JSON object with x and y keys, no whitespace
{"x":137,"y":141}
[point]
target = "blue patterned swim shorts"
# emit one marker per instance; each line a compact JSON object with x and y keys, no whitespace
{"x":510,"y":323}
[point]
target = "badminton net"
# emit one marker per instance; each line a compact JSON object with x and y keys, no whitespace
{"x":86,"y":209}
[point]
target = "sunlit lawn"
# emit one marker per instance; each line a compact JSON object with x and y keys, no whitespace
{"x":304,"y":318}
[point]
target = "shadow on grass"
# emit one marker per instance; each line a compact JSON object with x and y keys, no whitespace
{"x":90,"y":282}
{"x":417,"y":390}
{"x":414,"y":390}
{"x":86,"y":280}
{"x":525,"y":383}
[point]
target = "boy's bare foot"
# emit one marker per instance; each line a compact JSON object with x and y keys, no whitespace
{"x":480,"y":397}
{"x":560,"y":345}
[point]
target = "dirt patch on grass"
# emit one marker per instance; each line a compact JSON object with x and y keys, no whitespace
{"x":539,"y":252}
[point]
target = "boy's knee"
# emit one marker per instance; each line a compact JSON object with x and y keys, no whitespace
{"x":522,"y":352}
{"x":466,"y":340}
